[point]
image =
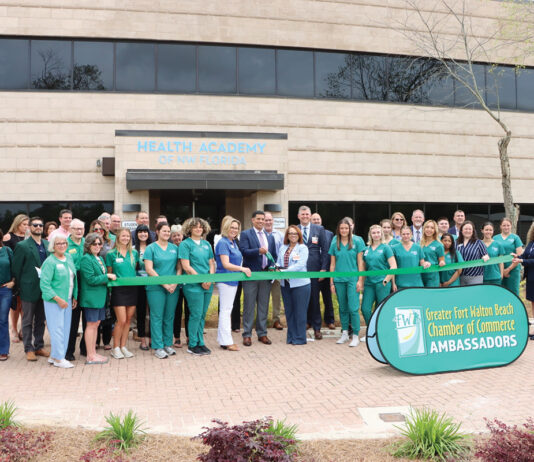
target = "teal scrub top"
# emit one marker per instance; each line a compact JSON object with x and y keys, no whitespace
{"x":433,"y":252}
{"x":444,"y":276}
{"x":509,"y":245}
{"x":346,"y":259}
{"x":408,"y":259}
{"x":376,"y":260}
{"x":75,"y":251}
{"x":199,"y":255}
{"x":164,"y":261}
{"x":394,"y":242}
{"x":492,"y":272}
{"x":122,"y":267}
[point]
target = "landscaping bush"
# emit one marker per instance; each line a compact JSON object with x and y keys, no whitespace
{"x":122,"y":433}
{"x":506,"y":443}
{"x":7,"y":412}
{"x":432,"y":436}
{"x":19,"y":445}
{"x":257,"y":441}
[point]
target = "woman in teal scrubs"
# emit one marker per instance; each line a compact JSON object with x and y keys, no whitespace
{"x":433,"y":250}
{"x":409,"y":254}
{"x":387,"y":228}
{"x":377,"y":256}
{"x":161,"y":259}
{"x":511,"y":244}
{"x":197,"y":257}
{"x":346,"y":254}
{"x":450,"y":278}
{"x":493,"y":274}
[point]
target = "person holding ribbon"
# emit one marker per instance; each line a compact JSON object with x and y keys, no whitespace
{"x":493,"y":274}
{"x":527,"y":260}
{"x":196,"y":256}
{"x":408,"y":254}
{"x":346,"y":255}
{"x":450,"y":278}
{"x":471,"y":248}
{"x":511,"y":244}
{"x":433,"y":251}
{"x":377,"y":256}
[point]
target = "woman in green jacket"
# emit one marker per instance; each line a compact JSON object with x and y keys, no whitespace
{"x":60,"y":289}
{"x":94,"y":278}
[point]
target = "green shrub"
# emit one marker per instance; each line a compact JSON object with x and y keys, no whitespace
{"x":123,"y":433}
{"x":7,"y":412}
{"x":285,"y":432}
{"x":432,"y":436}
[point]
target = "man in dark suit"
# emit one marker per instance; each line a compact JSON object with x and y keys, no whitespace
{"x":324,"y":285}
{"x":318,"y":260}
{"x":29,"y":255}
{"x":254,"y":244}
{"x":418,"y":218}
{"x":459,"y":218}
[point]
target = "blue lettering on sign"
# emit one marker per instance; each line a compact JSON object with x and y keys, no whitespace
{"x":205,"y":147}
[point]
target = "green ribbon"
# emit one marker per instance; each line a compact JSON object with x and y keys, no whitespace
{"x":269,"y":275}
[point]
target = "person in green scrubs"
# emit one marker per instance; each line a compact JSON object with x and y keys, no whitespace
{"x":511,"y":244}
{"x":493,"y":274}
{"x":408,"y":254}
{"x":450,"y":278}
{"x":377,"y":256}
{"x":161,"y":259}
{"x":387,"y":228}
{"x":346,"y":254}
{"x":433,"y":251}
{"x":197,"y":257}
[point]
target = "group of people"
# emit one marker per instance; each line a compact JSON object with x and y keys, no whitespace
{"x":64,"y":278}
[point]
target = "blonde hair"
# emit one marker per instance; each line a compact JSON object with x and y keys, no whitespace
{"x":393,"y":219}
{"x":428,"y":240}
{"x":226,"y":223}
{"x":370,"y":239}
{"x":190,"y":223}
{"x":17,"y":222}
{"x":530,"y":233}
{"x":128,"y":246}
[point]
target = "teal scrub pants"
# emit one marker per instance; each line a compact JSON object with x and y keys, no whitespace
{"x":373,"y":293}
{"x":349,"y":303}
{"x":430,"y":279}
{"x":198,"y":301}
{"x":162,"y":308}
{"x":512,"y":282}
{"x":493,"y":281}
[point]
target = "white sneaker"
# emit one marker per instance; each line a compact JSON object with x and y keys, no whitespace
{"x":363,"y":339}
{"x":344,"y":337}
{"x":160,"y":353}
{"x":117,"y":353}
{"x":355,"y":341}
{"x":170,"y":351}
{"x":64,"y":364}
{"x":51,"y":361}
{"x":126,"y":353}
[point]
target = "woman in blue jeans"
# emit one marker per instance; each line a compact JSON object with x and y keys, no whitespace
{"x":293,"y":256}
{"x":6,"y":286}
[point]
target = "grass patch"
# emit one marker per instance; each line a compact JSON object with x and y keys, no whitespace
{"x":123,"y":433}
{"x":7,"y":414}
{"x":285,"y":432}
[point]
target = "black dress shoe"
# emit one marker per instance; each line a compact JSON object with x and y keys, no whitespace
{"x":531,"y":337}
{"x":70,"y":357}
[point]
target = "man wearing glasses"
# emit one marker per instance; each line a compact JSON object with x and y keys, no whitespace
{"x":29,"y":255}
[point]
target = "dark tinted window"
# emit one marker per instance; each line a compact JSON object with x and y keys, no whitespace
{"x":500,"y":81}
{"x":463,"y":96}
{"x":405,"y":79}
{"x":525,"y":89}
{"x":135,"y":67}
{"x":93,"y":66}
{"x":217,"y":69}
{"x":256,"y":71}
{"x":333,"y":75}
{"x":369,"y":77}
{"x":14,"y":64}
{"x":177,"y":67}
{"x":437,"y":85}
{"x":51,"y":64}
{"x":295,"y":73}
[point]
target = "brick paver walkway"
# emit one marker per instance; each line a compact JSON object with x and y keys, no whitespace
{"x":328,"y":390}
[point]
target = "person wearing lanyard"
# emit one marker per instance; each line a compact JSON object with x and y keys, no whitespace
{"x":346,"y":254}
{"x":142,"y":240}
{"x":59,"y":286}
{"x":161,"y":259}
{"x":450,"y":278}
{"x":407,"y":255}
{"x":122,"y":261}
{"x":397,"y":221}
{"x":493,"y":274}
{"x":7,"y":282}
{"x":471,"y":248}
{"x":527,"y":260}
{"x":433,"y":251}
{"x":511,"y":244}
{"x":229,"y":260}
{"x":377,"y":256}
{"x":196,"y":256}
{"x":93,"y":294}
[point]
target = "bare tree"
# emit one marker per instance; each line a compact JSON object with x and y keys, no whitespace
{"x":444,"y":31}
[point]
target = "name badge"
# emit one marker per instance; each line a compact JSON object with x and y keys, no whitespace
{"x":173,"y":251}
{"x":72,"y":251}
{"x":315,"y":240}
{"x":296,"y":257}
{"x":60,"y":266}
{"x":119,"y":260}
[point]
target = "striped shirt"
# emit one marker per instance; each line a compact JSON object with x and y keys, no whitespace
{"x":472,"y":251}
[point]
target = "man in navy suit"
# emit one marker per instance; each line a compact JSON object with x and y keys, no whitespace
{"x":318,"y":260}
{"x":324,"y":285}
{"x":459,"y":218}
{"x":418,"y":218}
{"x":254,"y":244}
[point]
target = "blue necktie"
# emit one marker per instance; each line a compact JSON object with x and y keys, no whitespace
{"x":305,"y":235}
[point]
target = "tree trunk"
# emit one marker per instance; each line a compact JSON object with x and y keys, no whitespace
{"x":511,"y":209}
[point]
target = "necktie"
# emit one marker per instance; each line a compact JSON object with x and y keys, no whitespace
{"x":263,"y":243}
{"x":418,"y":236}
{"x":305,"y":234}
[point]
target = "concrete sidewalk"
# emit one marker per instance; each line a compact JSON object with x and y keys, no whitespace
{"x":328,"y":390}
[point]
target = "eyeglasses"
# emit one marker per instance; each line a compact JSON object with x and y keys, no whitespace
{"x":37,"y":225}
{"x":99,"y":244}
{"x":398,"y":219}
{"x":98,"y":229}
{"x":292,"y":234}
{"x":61,"y":243}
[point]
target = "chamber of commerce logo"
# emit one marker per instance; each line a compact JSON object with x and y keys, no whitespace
{"x":410,"y":334}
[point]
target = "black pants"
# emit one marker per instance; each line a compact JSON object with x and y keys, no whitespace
{"x":324,"y":287}
{"x":314,"y":308}
{"x":74,"y":324}
{"x":236,"y":310}
{"x":141,"y":312}
{"x":181,"y":307}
